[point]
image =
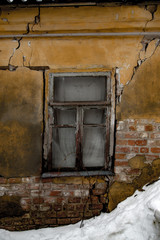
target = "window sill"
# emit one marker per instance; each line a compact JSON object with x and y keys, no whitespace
{"x":77,"y":174}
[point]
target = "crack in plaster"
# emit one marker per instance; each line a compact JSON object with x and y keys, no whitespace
{"x":35,"y":22}
{"x":152,"y":9}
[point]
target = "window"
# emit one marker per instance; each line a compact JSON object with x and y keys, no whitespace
{"x":79,"y":133}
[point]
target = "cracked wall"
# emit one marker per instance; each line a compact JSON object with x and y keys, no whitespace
{"x":25,"y":64}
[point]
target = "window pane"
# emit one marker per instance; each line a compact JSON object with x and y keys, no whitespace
{"x":63,"y":147}
{"x":64,"y":116}
{"x":79,"y":89}
{"x":94,"y":146}
{"x":94,"y":116}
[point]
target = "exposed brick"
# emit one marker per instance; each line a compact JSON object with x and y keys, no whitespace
{"x":94,"y":200}
{"x":14,"y":180}
{"x":98,"y":191}
{"x":75,"y":220}
{"x":96,"y":206}
{"x":71,"y":207}
{"x":50,"y":221}
{"x":121,"y":142}
{"x":49,"y":199}
{"x":61,"y":214}
{"x":155,"y":150}
{"x":57,"y":207}
{"x":131,"y":142}
{"x":141,"y":142}
{"x":133,"y":135}
{"x":134,"y":150}
{"x":102,"y":199}
{"x":144,"y":150}
{"x":47,"y":180}
{"x":121,"y":163}
{"x":74,"y":199}
{"x":3,"y":180}
{"x":155,"y":135}
{"x":132,"y":128}
{"x":55,"y":193}
{"x":73,"y":214}
{"x":80,"y":207}
{"x":149,"y":127}
{"x":151,"y":157}
{"x":140,"y":128}
{"x":63,"y":221}
{"x":122,"y":149}
{"x":38,"y":200}
{"x":96,"y":212}
{"x":120,"y":156}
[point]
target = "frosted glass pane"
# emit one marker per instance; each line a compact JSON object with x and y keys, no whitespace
{"x":94,"y":116}
{"x":63,"y":147}
{"x":64,"y":116}
{"x":79,"y":89}
{"x":93,"y":146}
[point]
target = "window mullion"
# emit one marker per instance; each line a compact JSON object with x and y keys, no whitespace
{"x":79,"y":163}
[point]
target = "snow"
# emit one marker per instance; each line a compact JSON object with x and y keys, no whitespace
{"x":136,"y":218}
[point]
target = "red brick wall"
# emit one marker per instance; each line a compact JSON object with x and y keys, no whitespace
{"x":135,"y":137}
{"x":48,"y":203}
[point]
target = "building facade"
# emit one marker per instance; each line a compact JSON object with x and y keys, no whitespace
{"x":79,"y":109}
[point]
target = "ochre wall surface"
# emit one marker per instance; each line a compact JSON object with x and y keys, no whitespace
{"x":25,"y":64}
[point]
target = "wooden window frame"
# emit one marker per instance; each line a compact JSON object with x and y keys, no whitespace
{"x":108,"y":105}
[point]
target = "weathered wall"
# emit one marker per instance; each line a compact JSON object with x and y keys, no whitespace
{"x":21,"y":98}
{"x":135,"y":60}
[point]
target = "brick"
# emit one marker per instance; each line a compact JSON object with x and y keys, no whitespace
{"x":75,"y":220}
{"x":103,"y":199}
{"x":61,"y":214}
{"x":131,"y":142}
{"x":94,"y":200}
{"x":151,"y":157}
{"x":98,"y":191}
{"x":121,"y":163}
{"x":121,"y":142}
{"x":140,"y":128}
{"x":155,"y":150}
{"x":122,"y":149}
{"x":80,"y":207}
{"x":96,"y":206}
{"x":74,"y":199}
{"x":57,"y":207}
{"x":120,"y":156}
{"x":155,"y":135}
{"x":33,"y":186}
{"x":133,"y":135}
{"x":38,"y":200}
{"x":14,"y":180}
{"x":3,"y":180}
{"x":143,"y":135}
{"x":55,"y":193}
{"x":96,"y":212}
{"x":50,"y":221}
{"x":149,"y":128}
{"x":135,"y":149}
{"x":144,"y":150}
{"x":141,"y":142}
{"x":61,"y":200}
{"x":71,"y":207}
{"x":63,"y":221}
{"x":47,"y":180}
{"x":132,"y":128}
{"x":73,"y":214}
{"x":49,"y":200}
